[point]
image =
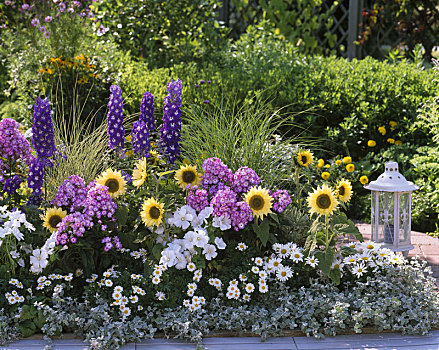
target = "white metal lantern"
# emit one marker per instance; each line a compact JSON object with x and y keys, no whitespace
{"x":391,"y":209}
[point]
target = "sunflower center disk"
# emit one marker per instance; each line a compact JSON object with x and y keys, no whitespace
{"x":54,"y":220}
{"x":341,"y":191}
{"x":257,"y":202}
{"x":188,"y":176}
{"x":113,"y":185}
{"x":154,"y":213}
{"x":323,"y":201}
{"x":304,"y":159}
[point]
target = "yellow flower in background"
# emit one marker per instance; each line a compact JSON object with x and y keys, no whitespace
{"x":152,"y":212}
{"x":305,"y":158}
{"x":325,"y":175}
{"x":128,"y":138}
{"x":399,"y":143}
{"x":259,"y":201}
{"x":322,"y":201}
{"x":114,"y":181}
{"x":393,"y":123}
{"x":344,"y":190}
{"x":338,"y":162}
{"x":350,"y":168}
{"x":129,"y":153}
{"x":53,"y":217}
{"x":364,"y":180}
{"x":382,"y":130}
{"x":390,"y":140}
{"x":347,"y":160}
{"x":320,"y":163}
{"x":371,"y":143}
{"x":50,"y":70}
{"x":153,"y":157}
{"x":187,"y":175}
{"x":140,"y":173}
{"x":327,"y":166}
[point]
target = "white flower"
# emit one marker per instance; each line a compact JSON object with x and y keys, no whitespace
{"x":249,"y":287}
{"x":274,"y":264}
{"x":284,"y":251}
{"x":222,"y":222}
{"x":209,"y":251}
{"x":296,"y":255}
{"x":351,"y":259}
{"x":263,"y":288}
{"x":191,"y":267}
{"x":255,"y":269}
{"x":201,"y":239}
{"x":109,"y":283}
{"x":241,"y":246}
{"x":201,"y":218}
{"x":181,"y":261}
{"x":183,"y":217}
{"x":156,"y":280}
{"x":38,"y":260}
{"x":160,"y":295}
{"x":359,"y":269}
{"x":370,"y":246}
{"x":242,"y":277}
{"x":168,"y":257}
{"x":15,"y":254}
{"x":312,"y":261}
{"x":189,"y":239}
{"x":259,"y":261}
{"x":220,"y":243}
{"x":284,"y":273}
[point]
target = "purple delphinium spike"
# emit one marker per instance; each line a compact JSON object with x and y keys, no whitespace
{"x":171,"y":127}
{"x":140,"y":139}
{"x":35,"y":181}
{"x":115,"y":130}
{"x":43,"y":138}
{"x":147,"y":110}
{"x":12,"y":184}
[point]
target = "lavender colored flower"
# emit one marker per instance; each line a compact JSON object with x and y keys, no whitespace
{"x":206,"y":102}
{"x":35,"y":22}
{"x":72,"y":193}
{"x":48,"y":19}
{"x":244,"y":178}
{"x":12,"y":184}
{"x":171,"y":127}
{"x":217,"y":176}
{"x":197,"y":198}
{"x":25,"y":7}
{"x":202,"y":82}
{"x":42,"y":29}
{"x":224,"y":203}
{"x":62,"y":7}
{"x":241,"y":215}
{"x":140,"y":139}
{"x":46,"y":34}
{"x":115,"y":130}
{"x":72,"y":227}
{"x":99,"y":204}
{"x":13,"y":145}
{"x":281,"y":200}
{"x":35,"y":180}
{"x":43,"y":138}
{"x":110,"y":243}
{"x":147,"y":110}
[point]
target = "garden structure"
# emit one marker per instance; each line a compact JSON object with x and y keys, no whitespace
{"x":180,"y":182}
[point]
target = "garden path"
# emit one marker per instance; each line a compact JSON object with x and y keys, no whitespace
{"x":382,"y":341}
{"x":426,"y":248}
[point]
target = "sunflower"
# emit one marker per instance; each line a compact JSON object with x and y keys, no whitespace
{"x":187,"y":175}
{"x":152,"y":212}
{"x":53,"y":217}
{"x":259,"y":201}
{"x":325,"y":175}
{"x":344,"y":190}
{"x":350,"y":167}
{"x":140,"y":172}
{"x":347,"y":160}
{"x":320,"y":163}
{"x":322,"y":201}
{"x":114,"y":181}
{"x":153,"y":157}
{"x":371,"y":143}
{"x":364,"y":180}
{"x":304,"y":158}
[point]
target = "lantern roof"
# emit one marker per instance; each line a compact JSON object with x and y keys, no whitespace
{"x":391,"y":181}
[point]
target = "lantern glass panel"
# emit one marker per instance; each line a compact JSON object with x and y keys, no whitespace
{"x":385,"y":217}
{"x":404,"y":218}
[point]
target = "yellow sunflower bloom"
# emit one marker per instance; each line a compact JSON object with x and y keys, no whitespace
{"x":259,"y":201}
{"x":187,"y":175}
{"x":382,"y":130}
{"x":391,"y":141}
{"x":393,"y":123}
{"x":320,"y":163}
{"x":114,"y":181}
{"x":344,"y":190}
{"x":371,"y":143}
{"x":322,"y":201}
{"x":152,"y":212}
{"x":338,"y":162}
{"x":325,"y":175}
{"x":364,"y":180}
{"x":305,"y":158}
{"x":53,"y":217}
{"x":347,"y":160}
{"x":140,"y":173}
{"x":153,"y":157}
{"x":350,"y":167}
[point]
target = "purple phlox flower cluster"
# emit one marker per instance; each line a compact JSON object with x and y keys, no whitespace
{"x":110,"y":243}
{"x":128,"y":178}
{"x":223,"y":203}
{"x":72,"y":193}
{"x":245,"y":178}
{"x":197,"y":198}
{"x":43,"y":138}
{"x":35,"y":180}
{"x":281,"y":200}
{"x":241,"y":215}
{"x":147,"y":110}
{"x":115,"y":130}
{"x":13,"y":145}
{"x":72,"y":227}
{"x":171,"y":127}
{"x":216,"y":176}
{"x":140,"y":139}
{"x":12,"y":184}
{"x":97,"y":205}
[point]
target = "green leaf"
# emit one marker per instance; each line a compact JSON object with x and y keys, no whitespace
{"x":262,"y":231}
{"x":335,"y":276}
{"x":325,"y":260}
{"x":121,"y":215}
{"x":157,"y":251}
{"x":27,"y":328}
{"x":26,"y":313}
{"x":40,"y":320}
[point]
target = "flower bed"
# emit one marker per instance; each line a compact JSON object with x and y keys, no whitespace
{"x":150,"y":243}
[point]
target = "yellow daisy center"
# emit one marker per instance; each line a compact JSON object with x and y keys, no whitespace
{"x":369,"y":246}
{"x":323,"y":201}
{"x":283,"y":273}
{"x":283,"y":251}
